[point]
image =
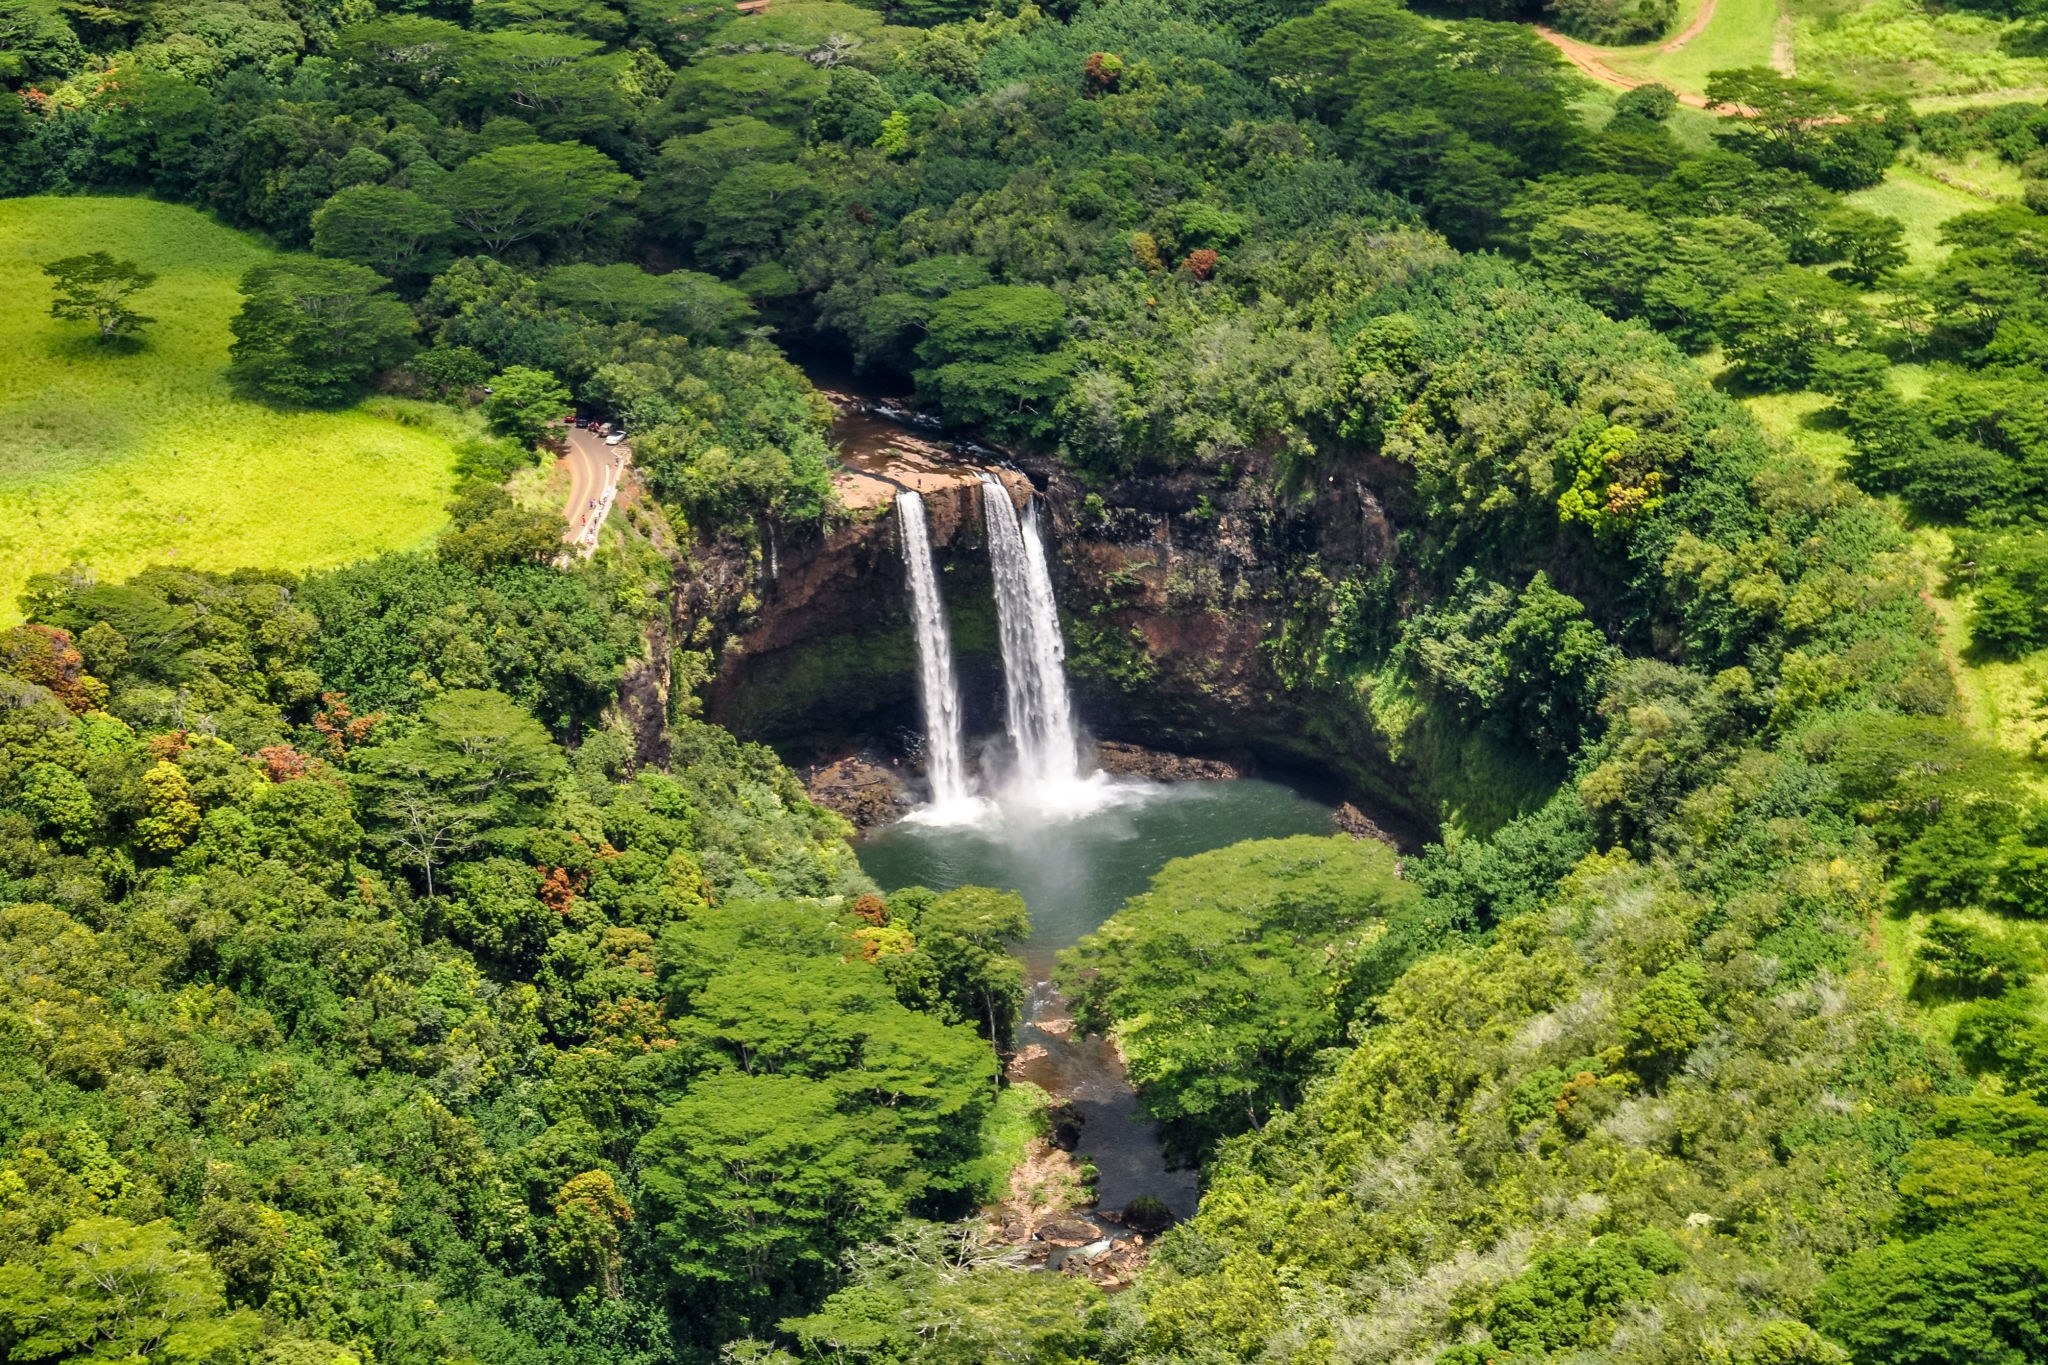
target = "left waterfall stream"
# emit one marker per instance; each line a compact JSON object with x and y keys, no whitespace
{"x":938,"y":688}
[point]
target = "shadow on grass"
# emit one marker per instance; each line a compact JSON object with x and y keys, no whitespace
{"x":1980,"y":653}
{"x":1829,"y":418}
{"x":1933,"y":992}
{"x":2024,"y":40}
{"x":1826,"y":418}
{"x":1733,"y":382}
{"x":87,"y":348}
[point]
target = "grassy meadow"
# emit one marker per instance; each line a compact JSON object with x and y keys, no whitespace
{"x":1922,"y":204}
{"x":1937,"y":55}
{"x":128,"y":455}
{"x":1918,"y":49}
{"x":1741,"y":34}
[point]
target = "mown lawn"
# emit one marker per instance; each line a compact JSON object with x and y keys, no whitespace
{"x":124,"y":457}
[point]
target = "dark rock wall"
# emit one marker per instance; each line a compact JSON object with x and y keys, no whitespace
{"x":825,"y":642}
{"x":1173,"y":589}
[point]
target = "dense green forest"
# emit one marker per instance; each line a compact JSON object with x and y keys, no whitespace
{"x":366,"y":1000}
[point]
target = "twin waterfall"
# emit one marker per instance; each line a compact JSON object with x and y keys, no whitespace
{"x":1037,"y":712}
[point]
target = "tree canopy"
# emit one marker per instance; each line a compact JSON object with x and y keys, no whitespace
{"x":316,"y":332}
{"x":372,"y":991}
{"x":96,"y":288}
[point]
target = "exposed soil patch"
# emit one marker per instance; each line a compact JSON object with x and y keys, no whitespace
{"x":867,"y":792}
{"x":881,"y":456}
{"x":1050,"y":1216}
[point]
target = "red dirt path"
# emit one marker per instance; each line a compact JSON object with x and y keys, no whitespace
{"x":1588,"y":58}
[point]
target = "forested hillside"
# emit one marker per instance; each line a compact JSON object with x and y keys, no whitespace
{"x":372,"y":994}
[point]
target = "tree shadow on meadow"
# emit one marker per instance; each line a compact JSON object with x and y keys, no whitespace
{"x":83,"y":348}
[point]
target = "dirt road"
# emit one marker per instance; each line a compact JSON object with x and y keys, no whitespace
{"x":1590,"y":59}
{"x":1692,"y":30}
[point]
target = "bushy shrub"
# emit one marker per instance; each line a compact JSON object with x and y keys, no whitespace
{"x":1614,"y":23}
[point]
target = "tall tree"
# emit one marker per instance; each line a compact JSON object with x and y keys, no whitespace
{"x":96,"y":288}
{"x":316,"y":332}
{"x":962,"y":968}
{"x":524,"y":401}
{"x":1225,"y":980}
{"x":105,"y":1288}
{"x":511,"y":194}
{"x":1809,"y":126}
{"x":778,"y":87}
{"x":565,"y":86}
{"x":410,"y":52}
{"x":991,"y":356}
{"x":384,"y":228}
{"x":759,"y":1182}
{"x":475,"y":762}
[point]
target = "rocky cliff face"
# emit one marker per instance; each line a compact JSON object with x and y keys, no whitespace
{"x":1179,"y":592}
{"x":811,"y":638}
{"x":1176,"y":591}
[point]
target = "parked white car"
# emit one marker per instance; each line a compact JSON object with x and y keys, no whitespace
{"x":615,"y":438}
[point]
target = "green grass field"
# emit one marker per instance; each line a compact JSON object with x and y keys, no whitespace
{"x":2002,"y":698}
{"x":125,"y":458}
{"x":1915,"y":49}
{"x":2002,"y":701}
{"x":1740,"y":35}
{"x":1938,"y":56}
{"x":1803,"y":421}
{"x":1981,"y":174}
{"x":1922,"y":204}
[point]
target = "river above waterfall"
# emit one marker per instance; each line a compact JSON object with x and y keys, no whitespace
{"x":1074,"y":872}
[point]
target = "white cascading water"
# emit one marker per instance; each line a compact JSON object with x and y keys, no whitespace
{"x":945,"y":751}
{"x":1041,"y":720}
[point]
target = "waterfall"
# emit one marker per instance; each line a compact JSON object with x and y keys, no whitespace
{"x":945,"y":763}
{"x":1041,"y":721}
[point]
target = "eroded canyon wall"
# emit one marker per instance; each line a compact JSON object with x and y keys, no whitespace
{"x":1179,"y":594}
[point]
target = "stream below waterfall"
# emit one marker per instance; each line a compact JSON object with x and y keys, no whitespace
{"x":1074,"y":874}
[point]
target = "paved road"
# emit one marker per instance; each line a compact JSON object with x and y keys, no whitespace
{"x":594,"y":472}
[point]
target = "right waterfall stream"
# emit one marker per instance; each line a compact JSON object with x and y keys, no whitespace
{"x":1037,"y":713}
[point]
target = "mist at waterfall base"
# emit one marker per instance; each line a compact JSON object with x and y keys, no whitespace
{"x":1074,"y":875}
{"x":1074,"y":844}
